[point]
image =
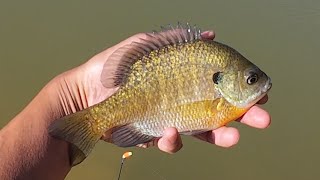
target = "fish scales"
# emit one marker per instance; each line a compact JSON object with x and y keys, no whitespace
{"x":162,"y":85}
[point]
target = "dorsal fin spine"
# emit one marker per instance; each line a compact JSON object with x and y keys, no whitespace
{"x":118,"y":66}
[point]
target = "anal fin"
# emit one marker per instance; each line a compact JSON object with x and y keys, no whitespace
{"x":194,"y":132}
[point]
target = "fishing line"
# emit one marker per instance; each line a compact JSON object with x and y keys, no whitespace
{"x":124,"y":156}
{"x":127,"y":155}
{"x":120,"y":169}
{"x":155,"y":172}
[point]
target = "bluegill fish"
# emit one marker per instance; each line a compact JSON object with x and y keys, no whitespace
{"x":172,"y":78}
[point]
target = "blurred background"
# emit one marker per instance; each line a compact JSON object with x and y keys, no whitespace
{"x":40,"y":39}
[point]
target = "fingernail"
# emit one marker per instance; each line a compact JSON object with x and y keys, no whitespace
{"x":205,"y":33}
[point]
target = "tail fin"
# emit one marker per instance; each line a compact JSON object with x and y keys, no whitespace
{"x":80,"y":131}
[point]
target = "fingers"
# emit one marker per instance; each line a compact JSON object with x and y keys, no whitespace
{"x":224,"y":136}
{"x":228,"y":136}
{"x":208,"y":35}
{"x":256,"y":117}
{"x":171,"y":141}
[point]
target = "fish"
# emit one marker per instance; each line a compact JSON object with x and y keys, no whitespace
{"x":171,"y":78}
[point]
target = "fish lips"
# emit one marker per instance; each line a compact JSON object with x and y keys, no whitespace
{"x":267,"y":86}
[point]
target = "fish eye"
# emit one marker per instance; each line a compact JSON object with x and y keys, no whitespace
{"x":216,"y":77}
{"x":253,"y":78}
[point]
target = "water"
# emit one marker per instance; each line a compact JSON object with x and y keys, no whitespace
{"x":40,"y":39}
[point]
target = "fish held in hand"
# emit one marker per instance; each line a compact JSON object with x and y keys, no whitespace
{"x":172,"y":78}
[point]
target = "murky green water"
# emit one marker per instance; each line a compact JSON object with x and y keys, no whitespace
{"x":40,"y":39}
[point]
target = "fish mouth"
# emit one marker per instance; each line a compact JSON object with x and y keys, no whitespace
{"x":267,"y":86}
{"x":264,"y":90}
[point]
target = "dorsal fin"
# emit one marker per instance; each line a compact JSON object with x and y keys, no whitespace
{"x":118,"y":66}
